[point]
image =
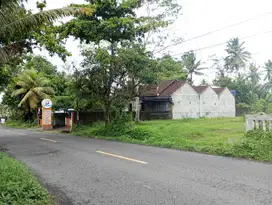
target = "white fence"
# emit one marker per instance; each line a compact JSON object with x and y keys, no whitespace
{"x":263,"y":122}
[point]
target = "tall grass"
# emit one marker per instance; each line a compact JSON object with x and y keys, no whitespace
{"x":18,"y":186}
{"x":221,"y":136}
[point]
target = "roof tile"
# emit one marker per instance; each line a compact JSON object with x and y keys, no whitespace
{"x":164,"y":88}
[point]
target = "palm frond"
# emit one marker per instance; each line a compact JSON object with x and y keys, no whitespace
{"x":198,"y":73}
{"x":23,"y":84}
{"x":4,"y":55}
{"x":33,"y":102}
{"x":44,"y":92}
{"x":202,"y":68}
{"x":29,"y":22}
{"x":18,"y":92}
{"x":28,"y":95}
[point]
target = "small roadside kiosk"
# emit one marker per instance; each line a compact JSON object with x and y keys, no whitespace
{"x":47,"y":114}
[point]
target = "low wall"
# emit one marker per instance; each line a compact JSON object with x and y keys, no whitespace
{"x":263,"y":122}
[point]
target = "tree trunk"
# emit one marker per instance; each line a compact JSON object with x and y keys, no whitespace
{"x":107,"y":116}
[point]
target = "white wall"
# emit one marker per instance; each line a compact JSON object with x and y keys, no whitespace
{"x":209,"y":103}
{"x":226,"y":104}
{"x":185,"y":103}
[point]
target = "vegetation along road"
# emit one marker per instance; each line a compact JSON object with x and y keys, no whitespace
{"x":92,"y":171}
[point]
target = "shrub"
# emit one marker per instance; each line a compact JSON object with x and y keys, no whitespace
{"x":21,"y":124}
{"x":18,"y":186}
{"x":256,"y":145}
{"x":119,"y":126}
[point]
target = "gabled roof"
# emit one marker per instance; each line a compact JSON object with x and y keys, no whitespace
{"x":167,"y":87}
{"x":200,"y":89}
{"x":218,"y":90}
{"x":164,"y":89}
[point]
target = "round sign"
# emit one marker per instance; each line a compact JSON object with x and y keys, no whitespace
{"x":47,"y":103}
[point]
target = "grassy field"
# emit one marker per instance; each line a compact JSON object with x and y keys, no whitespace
{"x":18,"y":186}
{"x":223,"y":136}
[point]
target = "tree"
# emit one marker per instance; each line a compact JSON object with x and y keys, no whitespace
{"x":192,"y":66}
{"x":237,"y":56}
{"x":204,"y":82}
{"x":32,"y":89}
{"x":254,"y":75}
{"x":263,"y":104}
{"x":16,"y":23}
{"x":116,"y":64}
{"x":116,"y":21}
{"x":268,"y":70}
{"x":112,"y":80}
{"x":218,"y":65}
{"x":170,"y":69}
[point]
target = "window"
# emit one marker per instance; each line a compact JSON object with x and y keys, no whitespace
{"x":159,"y":106}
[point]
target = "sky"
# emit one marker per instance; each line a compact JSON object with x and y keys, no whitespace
{"x":199,"y":17}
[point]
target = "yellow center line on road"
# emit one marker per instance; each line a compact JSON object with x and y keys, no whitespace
{"x":121,"y":157}
{"x":48,"y":140}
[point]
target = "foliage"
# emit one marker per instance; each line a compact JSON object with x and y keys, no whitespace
{"x":126,"y":131}
{"x":263,"y":105}
{"x":63,"y":102}
{"x":18,"y":186}
{"x":200,"y":135}
{"x":118,"y":61}
{"x":237,"y":56}
{"x":31,"y":89}
{"x":254,"y":75}
{"x":8,"y":71}
{"x":192,"y":66}
{"x":116,"y":21}
{"x":268,"y":70}
{"x":112,"y":79}
{"x":16,"y":24}
{"x":170,"y":68}
{"x":256,"y":145}
{"x":242,"y":87}
{"x":218,"y":65}
{"x":204,"y":82}
{"x":19,"y":123}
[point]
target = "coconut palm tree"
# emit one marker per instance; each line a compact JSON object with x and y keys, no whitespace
{"x":268,"y":70}
{"x":192,"y":66}
{"x":15,"y":22}
{"x":254,"y":75}
{"x":32,"y":88}
{"x":237,"y":55}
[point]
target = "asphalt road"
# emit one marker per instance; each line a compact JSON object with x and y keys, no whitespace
{"x":89,"y":171}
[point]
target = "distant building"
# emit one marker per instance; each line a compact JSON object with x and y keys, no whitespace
{"x":173,"y":99}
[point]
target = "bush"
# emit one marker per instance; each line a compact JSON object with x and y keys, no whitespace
{"x":21,"y":124}
{"x":18,"y":186}
{"x":256,"y":145}
{"x":121,"y":128}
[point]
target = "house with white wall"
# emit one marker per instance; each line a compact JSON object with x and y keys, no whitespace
{"x":185,"y":102}
{"x":226,"y":107}
{"x":172,"y":99}
{"x":208,"y":101}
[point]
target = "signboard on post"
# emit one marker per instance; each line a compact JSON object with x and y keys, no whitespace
{"x":47,"y":114}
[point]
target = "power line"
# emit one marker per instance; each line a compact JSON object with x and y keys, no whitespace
{"x":219,"y":44}
{"x":215,"y":31}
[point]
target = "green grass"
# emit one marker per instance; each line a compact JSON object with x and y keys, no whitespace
{"x":18,"y":186}
{"x":221,"y":136}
